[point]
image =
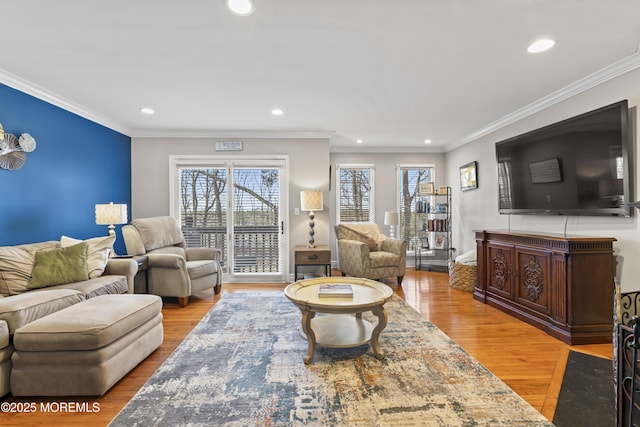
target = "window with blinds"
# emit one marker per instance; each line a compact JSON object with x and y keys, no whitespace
{"x":203,"y":208}
{"x":355,"y":195}
{"x":410,"y":177}
{"x":255,"y":213}
{"x":256,"y":230}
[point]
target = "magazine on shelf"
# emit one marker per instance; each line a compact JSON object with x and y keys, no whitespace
{"x":335,"y":290}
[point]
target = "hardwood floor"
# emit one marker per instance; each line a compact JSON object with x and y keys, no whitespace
{"x":525,"y":358}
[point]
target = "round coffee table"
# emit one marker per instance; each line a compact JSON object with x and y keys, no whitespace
{"x":340,"y":328}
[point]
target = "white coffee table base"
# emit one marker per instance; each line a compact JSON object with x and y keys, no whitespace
{"x":340,"y":331}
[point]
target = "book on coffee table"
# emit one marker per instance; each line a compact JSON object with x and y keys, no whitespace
{"x":335,"y":290}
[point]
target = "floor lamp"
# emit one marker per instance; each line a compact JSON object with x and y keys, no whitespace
{"x":311,"y":200}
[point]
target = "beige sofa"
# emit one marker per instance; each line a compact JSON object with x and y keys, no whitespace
{"x":26,"y":297}
{"x":365,"y":252}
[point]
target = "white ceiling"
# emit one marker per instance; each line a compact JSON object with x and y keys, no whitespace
{"x":389,"y":72}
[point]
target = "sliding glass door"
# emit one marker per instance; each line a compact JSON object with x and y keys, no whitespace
{"x":236,"y":205}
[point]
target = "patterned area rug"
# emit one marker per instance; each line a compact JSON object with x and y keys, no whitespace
{"x":242,"y":366}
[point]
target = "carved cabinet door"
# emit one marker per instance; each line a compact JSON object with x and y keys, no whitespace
{"x":533,"y":281}
{"x":500,"y":260}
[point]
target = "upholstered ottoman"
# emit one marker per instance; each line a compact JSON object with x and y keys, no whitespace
{"x":84,"y":349}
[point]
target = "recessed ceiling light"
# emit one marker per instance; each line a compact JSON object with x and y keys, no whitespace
{"x":359,"y":141}
{"x":541,"y":45}
{"x":427,"y":141}
{"x":277,"y":112}
{"x":240,"y":7}
{"x":147,"y":110}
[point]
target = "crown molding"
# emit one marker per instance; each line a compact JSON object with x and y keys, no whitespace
{"x":36,"y":91}
{"x":385,"y":150}
{"x":235,"y":134}
{"x":603,"y":75}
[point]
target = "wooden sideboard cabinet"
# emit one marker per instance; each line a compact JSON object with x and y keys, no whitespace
{"x":562,"y":285}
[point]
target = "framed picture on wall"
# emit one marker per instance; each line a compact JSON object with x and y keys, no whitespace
{"x":469,"y":176}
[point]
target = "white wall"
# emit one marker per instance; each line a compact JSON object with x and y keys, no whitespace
{"x":478,"y":209}
{"x":308,"y":170}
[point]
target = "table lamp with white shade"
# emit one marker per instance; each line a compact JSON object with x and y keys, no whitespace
{"x":311,"y":200}
{"x":392,"y":220}
{"x":111,"y":214}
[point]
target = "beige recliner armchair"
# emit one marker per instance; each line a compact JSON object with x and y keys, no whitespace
{"x":174,"y":270}
{"x":365,"y":252}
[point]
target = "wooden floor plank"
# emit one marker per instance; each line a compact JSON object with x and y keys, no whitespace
{"x":525,"y":358}
{"x":551,"y":399}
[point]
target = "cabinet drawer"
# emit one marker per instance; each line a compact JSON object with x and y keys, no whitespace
{"x":313,"y":257}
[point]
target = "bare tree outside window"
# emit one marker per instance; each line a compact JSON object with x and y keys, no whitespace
{"x":256,"y":198}
{"x":203,"y":197}
{"x":203,"y":214}
{"x":410,"y":178}
{"x":256,"y":195}
{"x":355,"y":189}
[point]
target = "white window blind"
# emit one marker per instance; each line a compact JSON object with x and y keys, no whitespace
{"x":410,"y":176}
{"x":355,"y":195}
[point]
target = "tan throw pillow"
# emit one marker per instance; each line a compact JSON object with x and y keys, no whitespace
{"x":350,"y":233}
{"x":371,"y":231}
{"x":59,"y":266}
{"x":347,"y":233}
{"x":98,"y":251}
{"x":16,"y":264}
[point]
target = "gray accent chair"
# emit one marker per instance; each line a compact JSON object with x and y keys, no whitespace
{"x":174,"y":270}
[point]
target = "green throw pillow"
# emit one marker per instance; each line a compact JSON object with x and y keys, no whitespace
{"x":60,"y":266}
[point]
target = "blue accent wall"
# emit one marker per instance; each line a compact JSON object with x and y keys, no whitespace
{"x":77,"y":163}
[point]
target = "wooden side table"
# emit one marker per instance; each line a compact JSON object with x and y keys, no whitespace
{"x":320,"y":255}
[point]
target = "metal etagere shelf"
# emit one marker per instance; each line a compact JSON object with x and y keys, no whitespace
{"x":433,"y":230}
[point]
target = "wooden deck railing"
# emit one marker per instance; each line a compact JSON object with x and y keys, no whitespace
{"x":256,"y":248}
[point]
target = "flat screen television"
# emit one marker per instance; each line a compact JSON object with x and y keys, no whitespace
{"x":579,"y":166}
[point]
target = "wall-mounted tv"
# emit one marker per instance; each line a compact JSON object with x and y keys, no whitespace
{"x":579,"y":166}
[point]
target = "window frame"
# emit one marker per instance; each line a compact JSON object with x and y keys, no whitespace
{"x":399,"y":205}
{"x":344,"y":166}
{"x":178,"y":162}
